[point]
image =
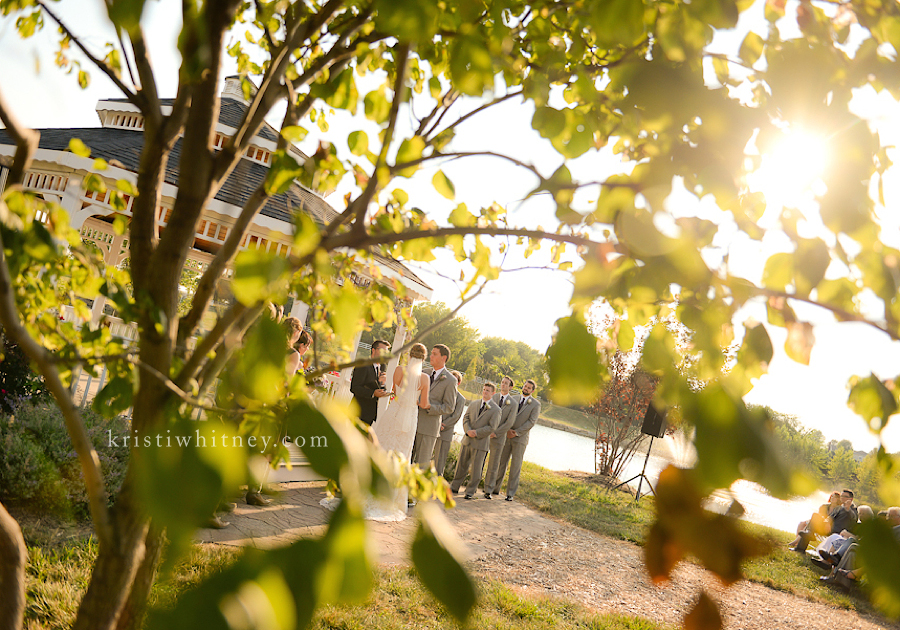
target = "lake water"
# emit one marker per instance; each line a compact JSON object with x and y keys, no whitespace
{"x":558,"y":450}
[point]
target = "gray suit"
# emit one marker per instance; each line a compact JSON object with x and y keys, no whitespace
{"x":442,"y":446}
{"x":526,"y":418}
{"x":442,"y":398}
{"x":474,"y":449}
{"x":507,"y":417}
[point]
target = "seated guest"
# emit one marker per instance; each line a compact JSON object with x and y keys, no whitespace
{"x":832,"y":548}
{"x":844,"y":517}
{"x":819,"y":521}
{"x":846,"y":573}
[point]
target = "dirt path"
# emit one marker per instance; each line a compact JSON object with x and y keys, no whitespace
{"x":538,"y":555}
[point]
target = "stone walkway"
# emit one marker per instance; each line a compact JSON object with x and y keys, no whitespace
{"x":483,"y":526}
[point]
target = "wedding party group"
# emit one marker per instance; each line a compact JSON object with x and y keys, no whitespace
{"x":424,"y":409}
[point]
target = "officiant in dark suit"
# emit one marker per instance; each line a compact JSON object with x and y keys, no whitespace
{"x":367,"y":383}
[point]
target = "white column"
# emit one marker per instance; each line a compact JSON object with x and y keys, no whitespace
{"x":342,"y":387}
{"x":299,"y":310}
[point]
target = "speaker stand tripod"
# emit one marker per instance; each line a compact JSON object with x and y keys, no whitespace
{"x":642,"y":476}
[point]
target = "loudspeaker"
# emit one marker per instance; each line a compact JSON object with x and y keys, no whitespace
{"x":654,"y":422}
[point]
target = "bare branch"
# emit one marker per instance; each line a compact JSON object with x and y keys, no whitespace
{"x":421,"y":334}
{"x":209,"y":343}
{"x":475,"y":111}
{"x":461,"y":154}
{"x":104,"y":67}
{"x":357,"y":209}
{"x":26,"y":144}
{"x":87,"y":456}
{"x":270,"y":89}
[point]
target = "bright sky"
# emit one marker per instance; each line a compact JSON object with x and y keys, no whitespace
{"x":524,"y":303}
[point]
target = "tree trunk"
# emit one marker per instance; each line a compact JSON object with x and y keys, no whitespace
{"x":135,"y":608}
{"x":12,"y":572}
{"x":116,"y":566}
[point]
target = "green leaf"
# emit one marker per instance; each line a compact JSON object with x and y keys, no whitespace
{"x":756,"y":350}
{"x":408,"y":20}
{"x":879,"y":554}
{"x":78,"y":147}
{"x":358,"y":142}
{"x":345,"y":311}
{"x":282,"y":174}
{"x":410,"y":150}
{"x":341,"y":92}
{"x":346,"y":574}
{"x":471,"y":67}
{"x":779,"y":271}
{"x":377,"y":106}
{"x":574,"y":363}
{"x":443,"y":185}
{"x":751,"y":48}
{"x":617,"y":22}
{"x":800,"y":341}
{"x":114,"y":398}
{"x":437,"y":556}
{"x":870,"y":399}
{"x":549,"y":122}
{"x":811,"y":262}
{"x":259,"y":276}
{"x":294,"y":133}
{"x":461,"y":217}
{"x":320,"y":443}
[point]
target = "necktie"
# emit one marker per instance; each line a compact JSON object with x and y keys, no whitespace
{"x":433,"y":374}
{"x":502,"y":400}
{"x":482,"y":408}
{"x":521,"y":402}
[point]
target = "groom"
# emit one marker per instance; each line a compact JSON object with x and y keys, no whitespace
{"x":441,"y":400}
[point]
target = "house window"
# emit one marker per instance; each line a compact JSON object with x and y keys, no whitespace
{"x":201,"y":227}
{"x":212,"y":229}
{"x":223,"y":232}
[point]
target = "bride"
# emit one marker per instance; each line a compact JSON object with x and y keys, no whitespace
{"x":395,"y":431}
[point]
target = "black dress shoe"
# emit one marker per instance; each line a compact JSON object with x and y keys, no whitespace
{"x":829,"y":558}
{"x":508,"y":498}
{"x":470,"y":496}
{"x":487,"y":496}
{"x":820,"y":563}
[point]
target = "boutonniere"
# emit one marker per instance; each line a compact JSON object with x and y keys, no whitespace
{"x":508,"y":401}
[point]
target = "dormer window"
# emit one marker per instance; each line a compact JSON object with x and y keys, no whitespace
{"x":258,"y":154}
{"x":219,"y":141}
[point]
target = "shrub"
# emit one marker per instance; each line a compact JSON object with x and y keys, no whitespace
{"x":18,"y":381}
{"x":39,"y":467}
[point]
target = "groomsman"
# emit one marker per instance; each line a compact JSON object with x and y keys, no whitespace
{"x":480,"y":421}
{"x":517,"y":439}
{"x":509,"y":404}
{"x":367,"y":384}
{"x":441,"y":400}
{"x":442,"y":446}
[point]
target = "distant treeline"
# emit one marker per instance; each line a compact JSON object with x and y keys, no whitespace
{"x":835,"y":464}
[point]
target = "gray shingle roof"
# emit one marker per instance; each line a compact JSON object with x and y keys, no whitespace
{"x":125,"y":145}
{"x":231,"y":113}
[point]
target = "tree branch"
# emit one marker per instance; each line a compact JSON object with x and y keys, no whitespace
{"x":477,"y":110}
{"x":87,"y":456}
{"x":148,"y":87}
{"x":421,"y":334}
{"x":13,"y":556}
{"x":134,"y":98}
{"x":357,"y":210}
{"x":26,"y":144}
{"x":209,"y":343}
{"x":268,"y":92}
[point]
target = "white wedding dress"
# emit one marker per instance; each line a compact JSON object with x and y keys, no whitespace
{"x":396,"y":431}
